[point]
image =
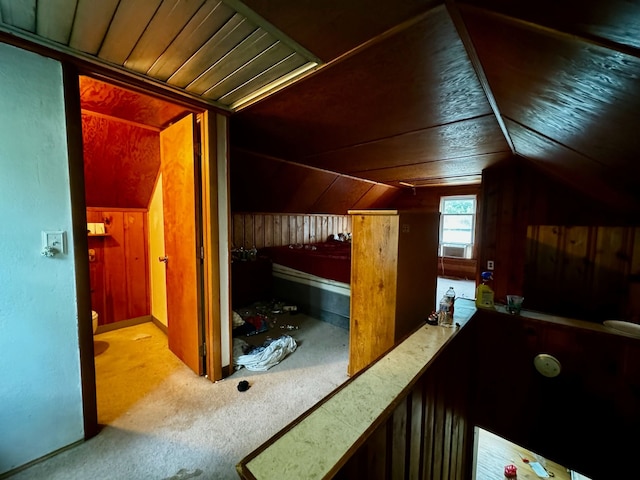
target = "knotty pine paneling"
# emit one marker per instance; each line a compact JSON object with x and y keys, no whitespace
{"x":273,"y":230}
{"x":119,"y":274}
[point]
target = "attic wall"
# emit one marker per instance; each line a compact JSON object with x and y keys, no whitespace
{"x":428,"y":199}
{"x":601,"y":247}
{"x":270,"y":185}
{"x":122,"y":161}
{"x":272,"y":230}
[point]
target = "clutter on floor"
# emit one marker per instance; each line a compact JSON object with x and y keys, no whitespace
{"x":261,"y":359}
{"x":259,"y":318}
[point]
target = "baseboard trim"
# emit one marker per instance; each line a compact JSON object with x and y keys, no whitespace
{"x":123,"y":324}
{"x":19,"y":469}
{"x":159,"y":324}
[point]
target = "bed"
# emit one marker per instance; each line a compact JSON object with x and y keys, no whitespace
{"x":315,"y":277}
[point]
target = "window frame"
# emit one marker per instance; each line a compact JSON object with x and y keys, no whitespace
{"x":469,"y":248}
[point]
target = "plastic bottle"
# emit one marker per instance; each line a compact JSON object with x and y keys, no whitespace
{"x":445,"y":310}
{"x":484,"y":293}
{"x":451,"y":295}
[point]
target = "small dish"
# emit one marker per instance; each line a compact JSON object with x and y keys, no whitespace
{"x":629,"y":328}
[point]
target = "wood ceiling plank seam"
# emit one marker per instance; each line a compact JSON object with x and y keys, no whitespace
{"x":241,"y":8}
{"x":397,"y":135}
{"x":120,"y":120}
{"x":313,"y":208}
{"x":212,"y":16}
{"x":91,"y":23}
{"x":555,"y":142}
{"x":249,"y":69}
{"x":232,"y":33}
{"x":467,"y":41}
{"x":19,"y":13}
{"x":245,"y":151}
{"x":248,"y":48}
{"x":168,"y":21}
{"x":265,"y":79}
{"x":430,"y":161}
{"x":127,"y":26}
{"x":54,"y":21}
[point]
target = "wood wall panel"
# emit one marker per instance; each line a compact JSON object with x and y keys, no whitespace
{"x":586,"y":418}
{"x":591,"y":253}
{"x":119,"y":274}
{"x":273,"y":230}
{"x":565,"y":265}
{"x":429,"y":434}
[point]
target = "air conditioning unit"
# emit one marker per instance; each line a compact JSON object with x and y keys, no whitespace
{"x":456,"y":251}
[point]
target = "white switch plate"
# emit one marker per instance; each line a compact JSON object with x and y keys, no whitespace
{"x":55,"y":240}
{"x":489,"y":264}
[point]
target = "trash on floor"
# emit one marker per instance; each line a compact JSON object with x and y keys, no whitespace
{"x":261,"y":359}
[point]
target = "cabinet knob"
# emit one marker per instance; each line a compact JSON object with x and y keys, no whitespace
{"x":164,"y":259}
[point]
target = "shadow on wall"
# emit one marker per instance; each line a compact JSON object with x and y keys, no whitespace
{"x":584,"y":272}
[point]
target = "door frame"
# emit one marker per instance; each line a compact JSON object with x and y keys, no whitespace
{"x":216,"y":303}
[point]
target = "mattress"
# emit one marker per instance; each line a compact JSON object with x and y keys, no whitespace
{"x":330,"y":260}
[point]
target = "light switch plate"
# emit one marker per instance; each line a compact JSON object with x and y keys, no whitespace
{"x":55,"y":240}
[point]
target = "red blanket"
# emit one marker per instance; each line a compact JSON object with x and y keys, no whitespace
{"x":330,"y":259}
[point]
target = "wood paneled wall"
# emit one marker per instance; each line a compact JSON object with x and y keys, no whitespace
{"x":588,"y":260}
{"x":119,"y":274}
{"x":273,"y":230}
{"x":426,"y":435}
{"x":581,"y":271}
{"x":587,"y":418}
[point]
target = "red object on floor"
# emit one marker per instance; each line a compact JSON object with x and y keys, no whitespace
{"x":510,"y":471}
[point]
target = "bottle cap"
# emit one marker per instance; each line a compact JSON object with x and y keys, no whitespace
{"x":487,"y":276}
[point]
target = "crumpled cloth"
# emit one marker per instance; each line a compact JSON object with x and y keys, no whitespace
{"x":262,"y":359}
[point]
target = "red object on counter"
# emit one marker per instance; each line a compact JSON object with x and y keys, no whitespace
{"x":510,"y":471}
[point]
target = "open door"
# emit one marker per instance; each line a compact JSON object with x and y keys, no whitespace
{"x":182,"y":244}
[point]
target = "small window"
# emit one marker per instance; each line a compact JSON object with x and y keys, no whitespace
{"x":457,"y":226}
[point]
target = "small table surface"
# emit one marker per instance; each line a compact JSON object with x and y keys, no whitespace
{"x":494,"y":453}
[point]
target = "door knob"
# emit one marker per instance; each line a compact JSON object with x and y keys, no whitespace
{"x":164,"y":259}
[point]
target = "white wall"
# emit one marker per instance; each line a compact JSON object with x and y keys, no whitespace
{"x":40,"y":384}
{"x":158,"y":271}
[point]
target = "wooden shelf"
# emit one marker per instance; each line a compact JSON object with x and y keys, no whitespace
{"x":98,"y":234}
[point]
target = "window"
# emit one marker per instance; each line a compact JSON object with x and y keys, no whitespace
{"x":457,"y":226}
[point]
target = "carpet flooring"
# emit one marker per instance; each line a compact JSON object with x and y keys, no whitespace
{"x":161,"y":421}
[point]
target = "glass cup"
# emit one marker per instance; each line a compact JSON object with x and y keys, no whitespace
{"x":514,"y":304}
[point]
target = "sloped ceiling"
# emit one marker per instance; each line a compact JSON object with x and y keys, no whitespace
{"x":415,"y":92}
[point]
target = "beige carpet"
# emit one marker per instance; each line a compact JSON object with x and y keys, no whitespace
{"x":164,"y":422}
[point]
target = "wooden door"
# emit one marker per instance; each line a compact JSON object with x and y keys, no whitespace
{"x":181,"y":231}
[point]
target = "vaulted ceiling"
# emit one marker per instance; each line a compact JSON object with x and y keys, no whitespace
{"x":413,"y":93}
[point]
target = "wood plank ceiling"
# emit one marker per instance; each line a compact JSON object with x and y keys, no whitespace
{"x":416,"y":93}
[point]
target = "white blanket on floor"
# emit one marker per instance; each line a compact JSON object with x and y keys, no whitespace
{"x":265,"y":358}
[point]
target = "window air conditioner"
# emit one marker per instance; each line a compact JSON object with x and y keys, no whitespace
{"x":453,"y":251}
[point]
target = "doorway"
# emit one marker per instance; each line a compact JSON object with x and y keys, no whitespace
{"x":139,"y":155}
